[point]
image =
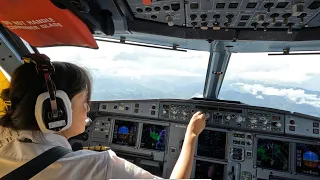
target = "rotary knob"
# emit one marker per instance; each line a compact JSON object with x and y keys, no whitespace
{"x":164,"y":112}
{"x":253,"y":120}
{"x":184,"y":113}
{"x":239,"y":119}
{"x":228,"y":117}
{"x":207,"y":115}
{"x":277,"y":124}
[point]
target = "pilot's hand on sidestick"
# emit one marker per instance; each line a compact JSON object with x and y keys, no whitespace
{"x":197,"y":124}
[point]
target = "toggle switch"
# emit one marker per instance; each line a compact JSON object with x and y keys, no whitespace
{"x":285,"y":18}
{"x":229,"y":17}
{"x":216,"y":26}
{"x":226,"y":26}
{"x":194,"y":24}
{"x":204,"y":26}
{"x":268,"y":6}
{"x":302,"y":17}
{"x":203,"y":17}
{"x":193,"y":17}
{"x":274,"y":16}
{"x":289,"y":25}
{"x":265,"y":25}
{"x":255,"y":24}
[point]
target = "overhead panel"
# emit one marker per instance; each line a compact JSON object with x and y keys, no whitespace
{"x":225,"y":14}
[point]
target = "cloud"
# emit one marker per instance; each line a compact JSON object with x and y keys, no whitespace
{"x":113,"y":59}
{"x":259,"y":97}
{"x":296,"y":71}
{"x":296,"y":95}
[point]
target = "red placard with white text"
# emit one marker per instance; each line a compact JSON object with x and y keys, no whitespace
{"x":42,"y":24}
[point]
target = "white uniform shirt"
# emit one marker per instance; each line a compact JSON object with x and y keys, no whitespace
{"x":84,"y":164}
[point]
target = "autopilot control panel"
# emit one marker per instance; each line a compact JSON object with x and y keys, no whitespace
{"x":240,"y":142}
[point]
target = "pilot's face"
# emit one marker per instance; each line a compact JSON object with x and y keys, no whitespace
{"x":80,"y":108}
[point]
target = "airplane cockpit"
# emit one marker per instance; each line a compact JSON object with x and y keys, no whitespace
{"x":251,"y":66}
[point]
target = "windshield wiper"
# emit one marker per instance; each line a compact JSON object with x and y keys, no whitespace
{"x":216,"y":100}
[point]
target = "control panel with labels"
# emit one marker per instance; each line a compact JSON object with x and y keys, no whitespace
{"x":239,"y":141}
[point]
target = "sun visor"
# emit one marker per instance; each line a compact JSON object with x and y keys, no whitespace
{"x":42,"y":24}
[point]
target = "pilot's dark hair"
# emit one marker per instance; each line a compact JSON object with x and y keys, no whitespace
{"x":26,"y":85}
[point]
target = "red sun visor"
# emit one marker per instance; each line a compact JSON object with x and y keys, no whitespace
{"x":42,"y":24}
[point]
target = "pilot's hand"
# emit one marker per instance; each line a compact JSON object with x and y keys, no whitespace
{"x":197,"y":124}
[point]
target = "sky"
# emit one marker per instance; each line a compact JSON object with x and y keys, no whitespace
{"x":254,"y":73}
{"x":112,"y":59}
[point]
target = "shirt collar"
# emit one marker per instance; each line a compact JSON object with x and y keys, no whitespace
{"x":44,"y":138}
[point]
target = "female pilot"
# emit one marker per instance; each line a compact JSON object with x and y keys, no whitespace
{"x":26,"y":85}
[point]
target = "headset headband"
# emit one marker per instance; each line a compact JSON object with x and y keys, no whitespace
{"x":44,"y":67}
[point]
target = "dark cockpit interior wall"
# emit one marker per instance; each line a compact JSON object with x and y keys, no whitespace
{"x":239,"y":142}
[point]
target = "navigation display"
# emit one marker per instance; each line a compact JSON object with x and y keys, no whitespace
{"x":212,"y":144}
{"x":125,"y":133}
{"x":273,"y":154}
{"x":153,"y":137}
{"x":209,"y":170}
{"x":308,"y":159}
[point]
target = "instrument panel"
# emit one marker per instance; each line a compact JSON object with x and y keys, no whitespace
{"x":225,"y":14}
{"x":239,"y":142}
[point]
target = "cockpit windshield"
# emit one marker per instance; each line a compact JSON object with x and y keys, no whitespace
{"x":121,"y":71}
{"x":284,"y":82}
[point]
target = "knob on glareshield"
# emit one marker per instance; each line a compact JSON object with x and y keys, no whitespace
{"x":207,"y":115}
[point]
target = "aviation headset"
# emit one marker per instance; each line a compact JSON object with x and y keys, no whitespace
{"x":53,"y":108}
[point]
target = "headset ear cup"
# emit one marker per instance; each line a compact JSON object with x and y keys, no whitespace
{"x":46,"y":122}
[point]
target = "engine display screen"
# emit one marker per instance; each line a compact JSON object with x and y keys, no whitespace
{"x":308,"y":159}
{"x":209,"y":170}
{"x":273,"y":154}
{"x":125,"y":133}
{"x":212,"y":144}
{"x":153,"y":137}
